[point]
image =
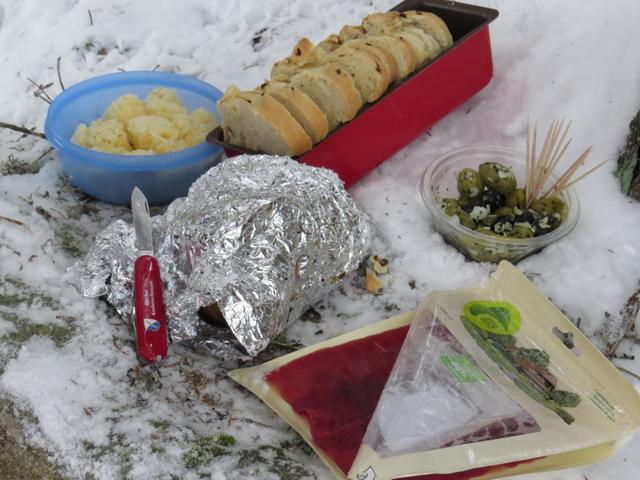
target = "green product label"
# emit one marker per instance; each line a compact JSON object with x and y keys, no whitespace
{"x":501,"y":318}
{"x":463,"y":369}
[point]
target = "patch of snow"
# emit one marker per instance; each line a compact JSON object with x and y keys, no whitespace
{"x":96,"y":410}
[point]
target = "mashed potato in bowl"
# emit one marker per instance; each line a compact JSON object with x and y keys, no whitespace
{"x":159,"y":124}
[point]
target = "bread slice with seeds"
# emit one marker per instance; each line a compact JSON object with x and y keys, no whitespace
{"x":431,"y":45}
{"x":304,"y":55}
{"x":365,"y":70}
{"x":380,"y":22}
{"x":390,"y":24}
{"x":434,"y":29}
{"x":332,"y":89}
{"x":403,"y":55}
{"x":301,"y":107}
{"x":354,"y":36}
{"x":385,"y":61}
{"x":258,"y":122}
{"x":415,"y":42}
{"x":406,"y":60}
{"x":351,"y":32}
{"x":431,"y":24}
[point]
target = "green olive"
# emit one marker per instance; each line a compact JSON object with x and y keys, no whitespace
{"x":488,"y":221}
{"x":560,"y":207}
{"x":522,"y":230}
{"x":450,"y":206}
{"x":555,"y":221}
{"x":542,"y":206}
{"x":498,"y":177}
{"x":465,"y":219}
{"x":504,"y":211}
{"x":464,"y":202}
{"x":469,"y":183}
{"x":517,"y":198}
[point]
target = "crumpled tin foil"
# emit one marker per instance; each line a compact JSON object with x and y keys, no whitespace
{"x":257,"y":240}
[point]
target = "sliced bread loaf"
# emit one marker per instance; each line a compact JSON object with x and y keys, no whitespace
{"x":301,"y":107}
{"x":332,"y":89}
{"x":365,"y":70}
{"x":259,"y":122}
{"x":431,"y":24}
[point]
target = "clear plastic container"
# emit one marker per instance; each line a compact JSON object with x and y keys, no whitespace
{"x":111,"y":177}
{"x":440,"y":181}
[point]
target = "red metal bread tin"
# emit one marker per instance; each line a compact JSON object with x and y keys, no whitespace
{"x":410,"y":108}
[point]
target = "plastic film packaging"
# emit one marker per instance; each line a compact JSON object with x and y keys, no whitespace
{"x":480,"y":383}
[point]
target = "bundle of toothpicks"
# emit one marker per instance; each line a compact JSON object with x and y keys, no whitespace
{"x":541,"y":167}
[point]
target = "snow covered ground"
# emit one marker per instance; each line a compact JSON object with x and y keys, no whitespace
{"x":67,"y":362}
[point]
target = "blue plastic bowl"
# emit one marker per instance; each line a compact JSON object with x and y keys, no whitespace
{"x":112,"y":177}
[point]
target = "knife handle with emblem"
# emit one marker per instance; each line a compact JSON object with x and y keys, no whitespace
{"x":148,"y":304}
{"x":150,"y":321}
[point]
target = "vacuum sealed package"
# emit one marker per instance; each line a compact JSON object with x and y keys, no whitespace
{"x":478,"y":383}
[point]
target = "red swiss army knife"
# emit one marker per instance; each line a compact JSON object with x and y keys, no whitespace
{"x":148,"y":309}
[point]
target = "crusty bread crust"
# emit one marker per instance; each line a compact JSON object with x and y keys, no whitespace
{"x":404,"y":56}
{"x":377,"y":23}
{"x":406,"y":60}
{"x":390,"y":23}
{"x":301,"y":107}
{"x":270,"y":115}
{"x":431,"y":24}
{"x":332,"y":89}
{"x":347,"y":85}
{"x":351,"y":32}
{"x":331,"y":43}
{"x":304,"y":55}
{"x":431,"y":45}
{"x":364,"y":69}
{"x":385,"y":61}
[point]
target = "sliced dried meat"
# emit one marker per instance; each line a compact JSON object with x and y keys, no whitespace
{"x":337,"y":389}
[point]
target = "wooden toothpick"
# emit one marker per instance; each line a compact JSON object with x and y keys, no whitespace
{"x":540,"y":168}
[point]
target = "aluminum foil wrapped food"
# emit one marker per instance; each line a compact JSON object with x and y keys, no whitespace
{"x":257,"y":241}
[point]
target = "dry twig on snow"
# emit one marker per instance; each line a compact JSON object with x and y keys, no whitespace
{"x":59,"y":76}
{"x":41,"y":92}
{"x":25,"y":130}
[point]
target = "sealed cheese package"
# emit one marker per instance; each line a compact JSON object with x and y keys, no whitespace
{"x":479,"y":383}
